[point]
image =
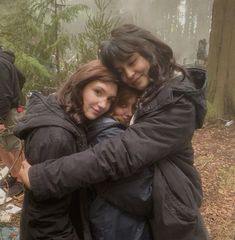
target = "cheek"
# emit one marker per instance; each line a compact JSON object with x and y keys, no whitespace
{"x":87,"y":100}
{"x":84,"y":108}
{"x":89,"y":96}
{"x":147,"y":67}
{"x":119,"y":111}
{"x":123,"y":78}
{"x":84,"y":103}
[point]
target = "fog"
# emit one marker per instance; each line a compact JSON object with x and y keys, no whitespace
{"x":180,"y":23}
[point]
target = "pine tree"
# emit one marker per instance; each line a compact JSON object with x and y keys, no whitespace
{"x":32,"y":29}
{"x":97,"y":28}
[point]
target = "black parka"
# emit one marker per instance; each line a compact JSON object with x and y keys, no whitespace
{"x":48,"y":133}
{"x":160,"y":136}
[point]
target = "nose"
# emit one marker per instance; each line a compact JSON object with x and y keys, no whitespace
{"x":129,"y":73}
{"x":129,"y":112}
{"x":103,"y":104}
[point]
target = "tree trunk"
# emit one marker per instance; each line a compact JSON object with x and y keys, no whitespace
{"x":221,"y":59}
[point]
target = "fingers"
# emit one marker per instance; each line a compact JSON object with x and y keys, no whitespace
{"x":23,"y":172}
{"x":25,"y":164}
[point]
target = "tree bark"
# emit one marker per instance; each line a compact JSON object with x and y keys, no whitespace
{"x":221,"y":59}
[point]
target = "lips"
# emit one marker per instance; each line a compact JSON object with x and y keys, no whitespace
{"x":97,"y":112}
{"x":134,"y":81}
{"x":127,"y":118}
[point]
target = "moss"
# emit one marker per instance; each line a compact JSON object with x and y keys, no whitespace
{"x":211,"y":112}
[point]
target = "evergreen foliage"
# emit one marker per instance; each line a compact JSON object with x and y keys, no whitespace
{"x":97,"y":28}
{"x":32,"y":29}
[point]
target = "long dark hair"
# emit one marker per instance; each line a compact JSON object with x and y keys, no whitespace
{"x":128,"y":39}
{"x":69,"y":95}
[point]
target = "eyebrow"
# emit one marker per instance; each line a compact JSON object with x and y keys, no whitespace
{"x":103,"y":90}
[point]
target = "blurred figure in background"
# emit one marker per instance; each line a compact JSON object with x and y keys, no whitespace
{"x":201,"y":52}
{"x":11,"y":150}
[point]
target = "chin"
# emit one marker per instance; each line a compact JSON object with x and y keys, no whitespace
{"x":91,"y":117}
{"x":141,"y":88}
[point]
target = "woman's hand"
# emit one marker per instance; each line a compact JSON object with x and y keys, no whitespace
{"x":23,"y":175}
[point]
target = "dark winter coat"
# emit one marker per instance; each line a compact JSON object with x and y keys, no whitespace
{"x":160,"y":136}
{"x":48,"y":133}
{"x":121,"y":208}
{"x":11,"y":83}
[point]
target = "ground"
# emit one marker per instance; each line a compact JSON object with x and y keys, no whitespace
{"x":214,"y":147}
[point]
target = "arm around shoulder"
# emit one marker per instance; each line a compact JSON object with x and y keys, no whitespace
{"x":150,"y":139}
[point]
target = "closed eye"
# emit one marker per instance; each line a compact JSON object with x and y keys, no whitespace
{"x":123,"y":106}
{"x":132,"y":61}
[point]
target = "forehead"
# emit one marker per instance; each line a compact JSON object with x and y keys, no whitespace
{"x":120,"y":62}
{"x":100,"y":83}
{"x":107,"y":86}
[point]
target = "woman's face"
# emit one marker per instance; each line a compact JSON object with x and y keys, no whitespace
{"x":97,"y":98}
{"x":125,"y":111}
{"x":134,"y":71}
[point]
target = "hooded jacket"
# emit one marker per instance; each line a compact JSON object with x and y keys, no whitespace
{"x":11,"y":83}
{"x":121,"y":208}
{"x":48,"y":133}
{"x":160,"y":136}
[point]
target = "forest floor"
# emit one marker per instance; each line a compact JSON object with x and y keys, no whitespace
{"x":214,"y":147}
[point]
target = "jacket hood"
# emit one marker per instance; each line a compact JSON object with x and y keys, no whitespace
{"x":8,"y":55}
{"x":43,"y":111}
{"x":193,"y":88}
{"x":95,"y":127}
{"x":8,"y":58}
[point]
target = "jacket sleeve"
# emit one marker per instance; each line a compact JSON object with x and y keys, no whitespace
{"x":45,"y":143}
{"x":49,"y":142}
{"x":157,"y":134}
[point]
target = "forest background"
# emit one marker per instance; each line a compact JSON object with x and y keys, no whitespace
{"x":52,"y":37}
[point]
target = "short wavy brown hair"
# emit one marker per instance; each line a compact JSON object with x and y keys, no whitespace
{"x":69,"y":95}
{"x":125,"y":92}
